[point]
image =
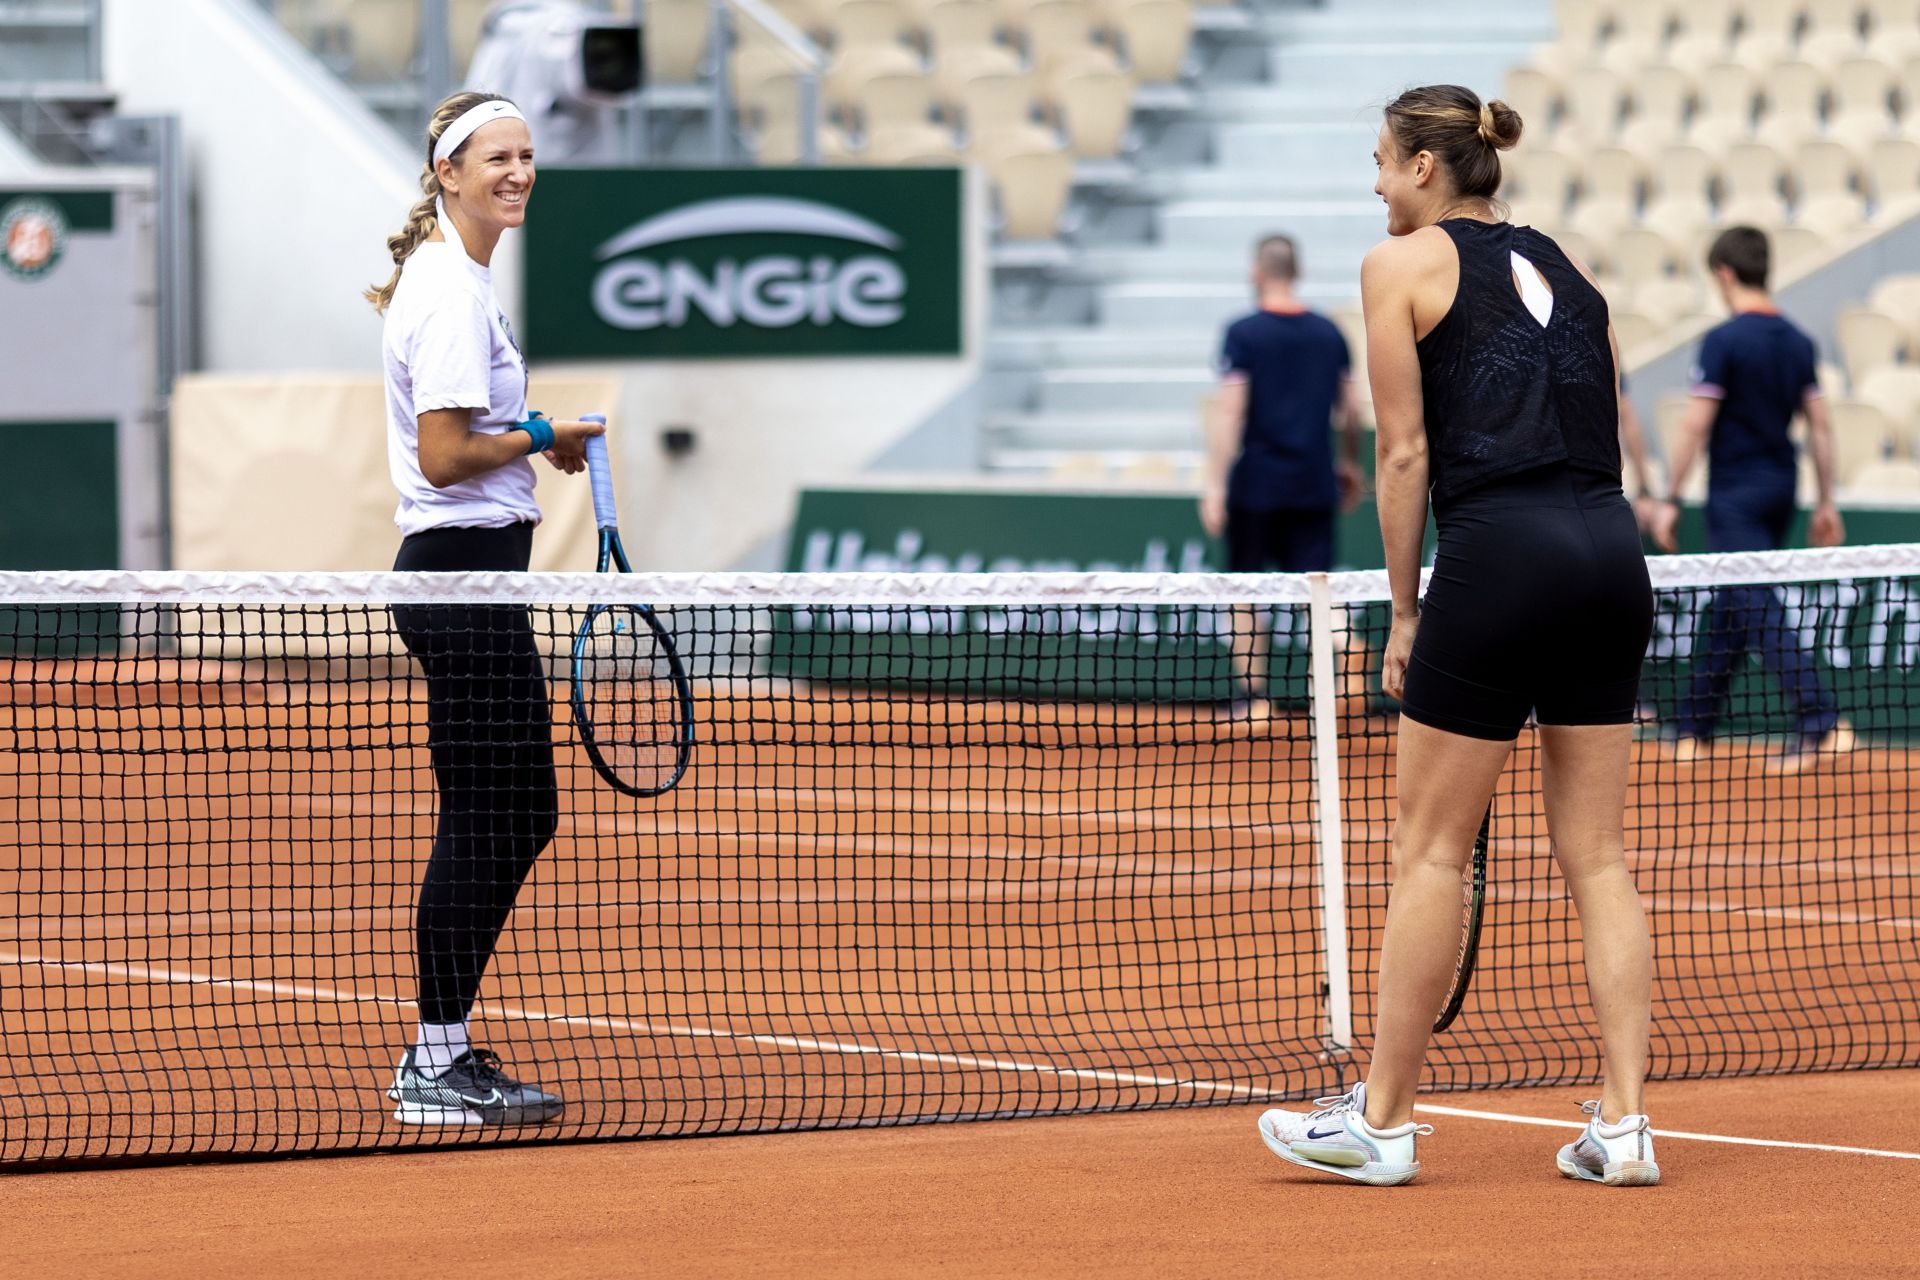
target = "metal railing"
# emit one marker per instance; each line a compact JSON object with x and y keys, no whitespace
{"x":812,"y":64}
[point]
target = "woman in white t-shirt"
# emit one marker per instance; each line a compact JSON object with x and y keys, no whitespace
{"x":458,"y":444}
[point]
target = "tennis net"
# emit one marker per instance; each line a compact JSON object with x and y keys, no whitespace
{"x":949,"y":847}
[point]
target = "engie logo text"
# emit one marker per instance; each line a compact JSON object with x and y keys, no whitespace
{"x":671,"y":263}
{"x":647,"y":285}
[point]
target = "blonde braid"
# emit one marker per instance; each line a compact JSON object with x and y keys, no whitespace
{"x":423,"y":219}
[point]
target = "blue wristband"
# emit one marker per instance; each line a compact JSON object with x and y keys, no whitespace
{"x":542,"y":432}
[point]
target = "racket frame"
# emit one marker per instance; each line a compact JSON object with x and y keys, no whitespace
{"x":612,"y":558}
{"x":1472,"y":917}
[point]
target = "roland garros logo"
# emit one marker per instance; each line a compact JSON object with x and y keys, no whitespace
{"x":646,"y":285}
{"x":33,"y":235}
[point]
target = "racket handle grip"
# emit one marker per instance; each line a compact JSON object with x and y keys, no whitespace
{"x":600,"y":475}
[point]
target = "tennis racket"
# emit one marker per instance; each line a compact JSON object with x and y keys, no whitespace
{"x":631,"y":697}
{"x":1473,"y":905}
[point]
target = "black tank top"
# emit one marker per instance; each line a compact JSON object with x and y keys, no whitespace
{"x":1503,"y":392}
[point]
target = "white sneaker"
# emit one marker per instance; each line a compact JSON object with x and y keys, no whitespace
{"x":1337,"y":1139}
{"x":1619,"y":1154}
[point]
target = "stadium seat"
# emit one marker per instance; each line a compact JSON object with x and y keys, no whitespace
{"x":1541,"y":176}
{"x":1893,"y":176}
{"x":1795,"y":247}
{"x":1895,"y":391}
{"x":1752,"y":176}
{"x":1641,"y":254}
{"x":1861,"y":436}
{"x":763,"y":78}
{"x":811,"y":16}
{"x":1058,"y":34}
{"x":1893,"y":30}
{"x":849,"y":73}
{"x":382,"y":35}
{"x":1094,"y":105}
{"x":1829,"y":49}
{"x":1591,"y":254}
{"x":1582,"y":25}
{"x":1032,"y":177}
{"x":1662,"y":97}
{"x":911,"y":144}
{"x":1888,"y":476}
{"x":1862,"y":115}
{"x":1083,"y":467}
{"x":866,"y":24}
{"x":1724,"y":105}
{"x":954,"y":25}
{"x":1595,"y":99}
{"x":1613,"y":174}
{"x":1631,"y":329}
{"x":1637,"y":35}
{"x":1837,"y":216}
{"x":1668,"y":300}
{"x":1536,"y":96}
{"x":1704,"y":37}
{"x":1155,"y":35}
{"x":1767,"y":29}
{"x":895,"y":99}
{"x":992,"y":102}
{"x":1600,"y":221}
{"x":778,"y":142}
{"x":1899,"y":296}
{"x":1869,"y":340}
{"x":1824,"y":167}
{"x":676,"y":40}
{"x":1793,"y":93}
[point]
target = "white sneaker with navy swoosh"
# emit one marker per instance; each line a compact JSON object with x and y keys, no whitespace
{"x":474,"y":1090}
{"x":1337,"y":1139}
{"x":1618,"y":1154}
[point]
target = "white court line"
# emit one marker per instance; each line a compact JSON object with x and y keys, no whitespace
{"x":854,"y":1048}
{"x":1465,"y":1114}
{"x":515,"y":1013}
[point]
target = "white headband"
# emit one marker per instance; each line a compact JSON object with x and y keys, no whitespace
{"x":463,"y":128}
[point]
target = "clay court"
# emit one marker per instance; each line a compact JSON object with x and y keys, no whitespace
{"x":872,"y":910}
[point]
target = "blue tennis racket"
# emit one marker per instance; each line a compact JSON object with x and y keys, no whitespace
{"x":631,"y":696}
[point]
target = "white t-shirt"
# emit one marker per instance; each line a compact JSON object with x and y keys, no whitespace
{"x":447,"y":345}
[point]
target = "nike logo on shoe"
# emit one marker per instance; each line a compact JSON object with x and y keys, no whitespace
{"x":492,"y":1099}
{"x":1331,"y":1133}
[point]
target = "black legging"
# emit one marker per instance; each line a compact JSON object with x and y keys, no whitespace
{"x":490,"y":734}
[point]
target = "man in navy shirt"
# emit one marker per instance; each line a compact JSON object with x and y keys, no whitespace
{"x":1272,"y":485}
{"x":1756,"y":372}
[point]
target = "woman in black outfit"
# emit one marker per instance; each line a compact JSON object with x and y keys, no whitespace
{"x":1495,"y":392}
{"x":459,"y":440}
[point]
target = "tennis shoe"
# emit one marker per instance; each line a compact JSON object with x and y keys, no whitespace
{"x":474,"y":1090}
{"x":1618,"y":1154}
{"x":1685,"y":748}
{"x":1336,"y":1138}
{"x":1810,"y":752}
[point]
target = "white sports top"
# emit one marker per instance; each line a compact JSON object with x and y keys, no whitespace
{"x":447,"y":345}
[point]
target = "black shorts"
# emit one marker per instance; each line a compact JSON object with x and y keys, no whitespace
{"x":1290,"y":541}
{"x":1539,"y":603}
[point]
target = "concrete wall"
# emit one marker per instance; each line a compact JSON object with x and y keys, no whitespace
{"x":296,"y":184}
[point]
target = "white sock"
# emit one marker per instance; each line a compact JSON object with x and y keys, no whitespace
{"x":438,"y":1044}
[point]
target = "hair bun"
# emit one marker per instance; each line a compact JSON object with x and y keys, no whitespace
{"x":1500,"y":125}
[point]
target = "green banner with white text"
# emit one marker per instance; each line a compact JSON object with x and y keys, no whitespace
{"x":673,"y":264}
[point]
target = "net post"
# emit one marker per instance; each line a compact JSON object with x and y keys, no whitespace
{"x":1326,"y":813}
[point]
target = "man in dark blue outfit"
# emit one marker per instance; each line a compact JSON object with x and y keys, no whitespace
{"x":1272,"y":486}
{"x":1756,"y":372}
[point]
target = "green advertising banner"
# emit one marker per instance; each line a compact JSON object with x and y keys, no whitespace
{"x":632,"y":264}
{"x":1864,"y":634}
{"x":59,"y":517}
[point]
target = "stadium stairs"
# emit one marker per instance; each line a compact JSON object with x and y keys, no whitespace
{"x":1110,"y":354}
